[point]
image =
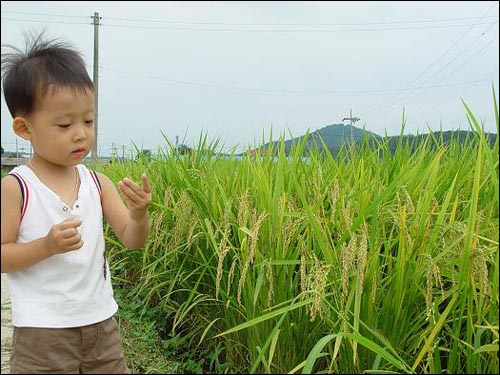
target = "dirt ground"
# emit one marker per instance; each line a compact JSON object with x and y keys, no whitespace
{"x":6,"y":326}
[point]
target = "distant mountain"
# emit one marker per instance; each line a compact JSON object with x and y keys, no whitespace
{"x":445,"y":137}
{"x":336,"y":135}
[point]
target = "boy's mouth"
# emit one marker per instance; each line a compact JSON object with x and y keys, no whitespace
{"x":78,"y":152}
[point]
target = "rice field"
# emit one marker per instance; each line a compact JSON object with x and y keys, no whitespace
{"x":370,"y":262}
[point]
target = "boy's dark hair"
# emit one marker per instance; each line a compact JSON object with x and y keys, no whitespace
{"x":26,"y":75}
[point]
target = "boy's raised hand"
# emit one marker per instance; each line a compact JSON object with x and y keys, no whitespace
{"x":137,"y":197}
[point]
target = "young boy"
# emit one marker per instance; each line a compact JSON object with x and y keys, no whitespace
{"x":52,"y":219}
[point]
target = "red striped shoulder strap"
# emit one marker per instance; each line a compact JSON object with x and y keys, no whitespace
{"x":25,"y":194}
{"x":93,"y":174}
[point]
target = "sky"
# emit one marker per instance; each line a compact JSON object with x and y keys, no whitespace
{"x":242,"y":73}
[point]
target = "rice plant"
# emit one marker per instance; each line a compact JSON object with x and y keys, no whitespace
{"x":371,"y":261}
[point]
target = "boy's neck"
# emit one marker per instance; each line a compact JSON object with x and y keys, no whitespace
{"x":46,"y":175}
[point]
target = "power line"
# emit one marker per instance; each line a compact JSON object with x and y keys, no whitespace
{"x":44,"y":14}
{"x":286,"y":30}
{"x":453,"y":97}
{"x":390,"y":102}
{"x":46,"y":21}
{"x":476,"y":54}
{"x":273,"y":90}
{"x":249,"y":30}
{"x":438,"y":20}
{"x":293,"y":24}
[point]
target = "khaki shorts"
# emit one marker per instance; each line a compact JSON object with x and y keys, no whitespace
{"x":92,"y":349}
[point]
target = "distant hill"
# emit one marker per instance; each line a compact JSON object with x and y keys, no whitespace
{"x":444,"y":136}
{"x":336,"y":135}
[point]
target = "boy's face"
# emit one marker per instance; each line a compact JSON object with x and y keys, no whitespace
{"x":61,"y":129}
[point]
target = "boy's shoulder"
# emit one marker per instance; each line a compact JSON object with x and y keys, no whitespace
{"x":10,"y":185}
{"x":8,"y":177}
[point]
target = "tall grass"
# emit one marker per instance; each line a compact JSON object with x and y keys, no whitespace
{"x":371,"y":261}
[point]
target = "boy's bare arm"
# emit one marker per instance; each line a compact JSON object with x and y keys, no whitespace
{"x":61,"y":238}
{"x":130,"y":222}
{"x":16,"y":256}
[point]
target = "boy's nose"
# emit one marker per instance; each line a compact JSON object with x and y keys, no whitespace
{"x":79,"y":133}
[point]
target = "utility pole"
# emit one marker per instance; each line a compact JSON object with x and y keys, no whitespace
{"x":96,"y":82}
{"x":351,"y":120}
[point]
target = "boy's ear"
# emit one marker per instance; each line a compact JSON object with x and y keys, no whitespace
{"x":22,"y":128}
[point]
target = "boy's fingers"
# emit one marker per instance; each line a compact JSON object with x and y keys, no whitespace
{"x":70,"y":223}
{"x":145,"y":183}
{"x":70,"y":232}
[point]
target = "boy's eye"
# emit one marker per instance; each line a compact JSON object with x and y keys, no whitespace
{"x":64,"y":125}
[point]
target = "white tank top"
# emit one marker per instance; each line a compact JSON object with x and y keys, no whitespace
{"x":65,"y":290}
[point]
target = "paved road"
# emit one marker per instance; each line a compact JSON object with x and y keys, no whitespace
{"x":6,"y":325}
